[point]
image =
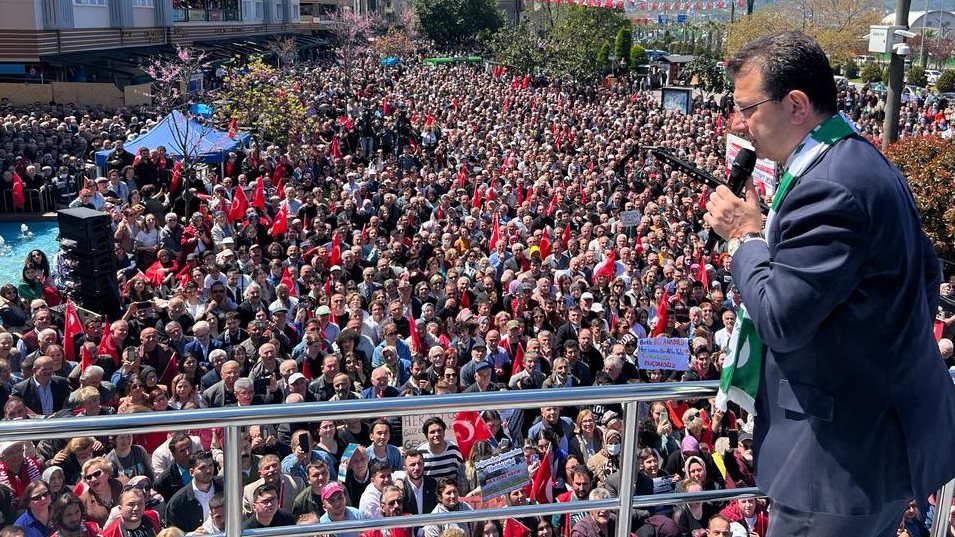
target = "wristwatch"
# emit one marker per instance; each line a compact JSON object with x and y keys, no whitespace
{"x":734,"y":243}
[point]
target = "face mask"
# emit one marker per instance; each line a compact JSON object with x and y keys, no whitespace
{"x":613,"y":449}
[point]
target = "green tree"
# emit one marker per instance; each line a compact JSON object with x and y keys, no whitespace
{"x":850,"y":69}
{"x":622,"y":44}
{"x":916,"y":76}
{"x":638,"y":56}
{"x":946,"y":81}
{"x":517,"y":47}
{"x":452,"y":22}
{"x":603,"y":55}
{"x":871,"y":73}
{"x":709,"y":77}
{"x":569,"y":46}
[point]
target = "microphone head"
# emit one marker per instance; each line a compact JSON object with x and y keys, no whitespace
{"x":745,"y":162}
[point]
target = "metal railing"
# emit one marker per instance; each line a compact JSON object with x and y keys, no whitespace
{"x":233,"y":418}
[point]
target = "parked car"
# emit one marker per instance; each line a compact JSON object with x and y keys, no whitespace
{"x":932,"y":76}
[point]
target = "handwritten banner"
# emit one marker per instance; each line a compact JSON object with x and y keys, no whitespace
{"x":411,"y":435}
{"x":672,"y":353}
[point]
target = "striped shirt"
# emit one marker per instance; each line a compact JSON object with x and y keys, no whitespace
{"x":445,"y":464}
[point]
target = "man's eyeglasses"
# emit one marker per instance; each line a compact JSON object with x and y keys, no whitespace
{"x":742,"y":110}
{"x":271,"y":500}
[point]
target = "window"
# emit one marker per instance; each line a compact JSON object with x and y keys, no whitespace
{"x":247,"y":10}
{"x":144,"y":3}
{"x":296,"y":11}
{"x":279,"y":12}
{"x":259,"y":9}
{"x":89,"y":3}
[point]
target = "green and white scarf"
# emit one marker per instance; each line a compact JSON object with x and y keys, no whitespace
{"x":743,"y":364}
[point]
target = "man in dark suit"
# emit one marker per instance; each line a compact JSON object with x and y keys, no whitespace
{"x":843,"y":255}
{"x":43,"y":393}
{"x":172,"y":480}
{"x":203,"y":343}
{"x":419,"y":492}
{"x":222,"y":393}
{"x":184,"y":509}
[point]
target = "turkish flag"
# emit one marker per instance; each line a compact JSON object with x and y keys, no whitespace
{"x":176,"y":175}
{"x":518,"y":363}
{"x":258,"y":196}
{"x":552,"y":206}
{"x":417,"y":346}
{"x":565,"y":237}
{"x":462,"y":175}
{"x":542,"y":488}
{"x":476,"y":198}
{"x":71,"y":328}
{"x":287,"y":280}
{"x":240,"y":204}
{"x":495,"y":235}
{"x":335,"y":256}
{"x":661,"y":314}
{"x":19,"y":200}
{"x":336,"y":150}
{"x":280,"y":224}
{"x":545,"y":245}
{"x":608,"y":268}
{"x":469,"y":429}
{"x":939,"y":327}
{"x":233,"y":128}
{"x":703,"y":277}
{"x":107,"y":345}
{"x":513,"y":528}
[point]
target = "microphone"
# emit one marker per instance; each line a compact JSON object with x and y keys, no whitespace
{"x":742,"y":168}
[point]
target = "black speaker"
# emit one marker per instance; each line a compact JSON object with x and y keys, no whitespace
{"x":86,"y":237}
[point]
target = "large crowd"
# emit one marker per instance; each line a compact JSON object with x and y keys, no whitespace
{"x":445,"y":230}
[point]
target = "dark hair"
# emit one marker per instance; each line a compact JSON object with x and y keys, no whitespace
{"x":265,"y":488}
{"x":217,"y":500}
{"x":789,"y":61}
{"x":433,"y":420}
{"x":30,"y":490}
{"x":198,"y":456}
{"x":444,"y":483}
{"x":60,"y":505}
{"x":478,"y":529}
{"x":378,"y":467}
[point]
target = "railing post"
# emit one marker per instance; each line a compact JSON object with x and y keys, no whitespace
{"x":232,"y":466}
{"x":627,"y":467}
{"x":943,"y":509}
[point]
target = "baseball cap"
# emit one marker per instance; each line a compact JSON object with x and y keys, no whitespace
{"x":323,"y":310}
{"x":9,"y":445}
{"x":330,"y":489}
{"x":295,"y":377}
{"x":482,"y":365}
{"x":587,"y":296}
{"x":512,"y":324}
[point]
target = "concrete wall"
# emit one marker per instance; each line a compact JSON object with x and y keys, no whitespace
{"x":24,"y":94}
{"x":91,"y":17}
{"x":138,"y":95}
{"x":87,"y":93}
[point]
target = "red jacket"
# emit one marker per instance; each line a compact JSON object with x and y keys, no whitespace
{"x":732,"y":513}
{"x":114,"y":529}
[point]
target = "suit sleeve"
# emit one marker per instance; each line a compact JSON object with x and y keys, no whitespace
{"x":814,"y":268}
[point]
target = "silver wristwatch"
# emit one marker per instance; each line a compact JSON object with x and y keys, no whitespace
{"x":733,"y":244}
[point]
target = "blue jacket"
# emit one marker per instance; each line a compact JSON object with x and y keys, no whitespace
{"x":855,"y":406}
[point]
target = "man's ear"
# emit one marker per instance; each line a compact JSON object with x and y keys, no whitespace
{"x":799,"y":106}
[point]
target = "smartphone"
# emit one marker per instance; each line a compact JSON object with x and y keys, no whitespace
{"x":303,"y":443}
{"x":130,"y":354}
{"x":144,"y":304}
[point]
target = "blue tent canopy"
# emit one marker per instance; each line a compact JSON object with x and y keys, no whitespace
{"x":178,"y":133}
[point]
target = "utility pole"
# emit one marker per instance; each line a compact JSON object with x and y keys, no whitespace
{"x":893,"y":99}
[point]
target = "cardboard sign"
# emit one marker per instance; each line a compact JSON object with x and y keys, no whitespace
{"x":630,"y":218}
{"x":765,"y":171}
{"x":411,"y":435}
{"x":502,"y":473}
{"x":672,"y":353}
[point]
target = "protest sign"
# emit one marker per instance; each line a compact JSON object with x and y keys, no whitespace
{"x":346,"y":458}
{"x":411,"y":435}
{"x":630,"y":218}
{"x":672,"y":353}
{"x":502,"y":473}
{"x":662,"y":485}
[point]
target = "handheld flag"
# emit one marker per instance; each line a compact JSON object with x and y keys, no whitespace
{"x":280,"y":224}
{"x":258,"y":196}
{"x":542,"y":488}
{"x":72,"y":327}
{"x":240,"y":204}
{"x":233,"y":128}
{"x":335,"y":257}
{"x":662,"y":314}
{"x":544,"y":245}
{"x":469,"y":429}
{"x":417,"y":346}
{"x":495,"y":235}
{"x":18,"y":198}
{"x":288,"y":281}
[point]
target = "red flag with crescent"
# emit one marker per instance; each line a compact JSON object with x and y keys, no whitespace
{"x":469,"y":429}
